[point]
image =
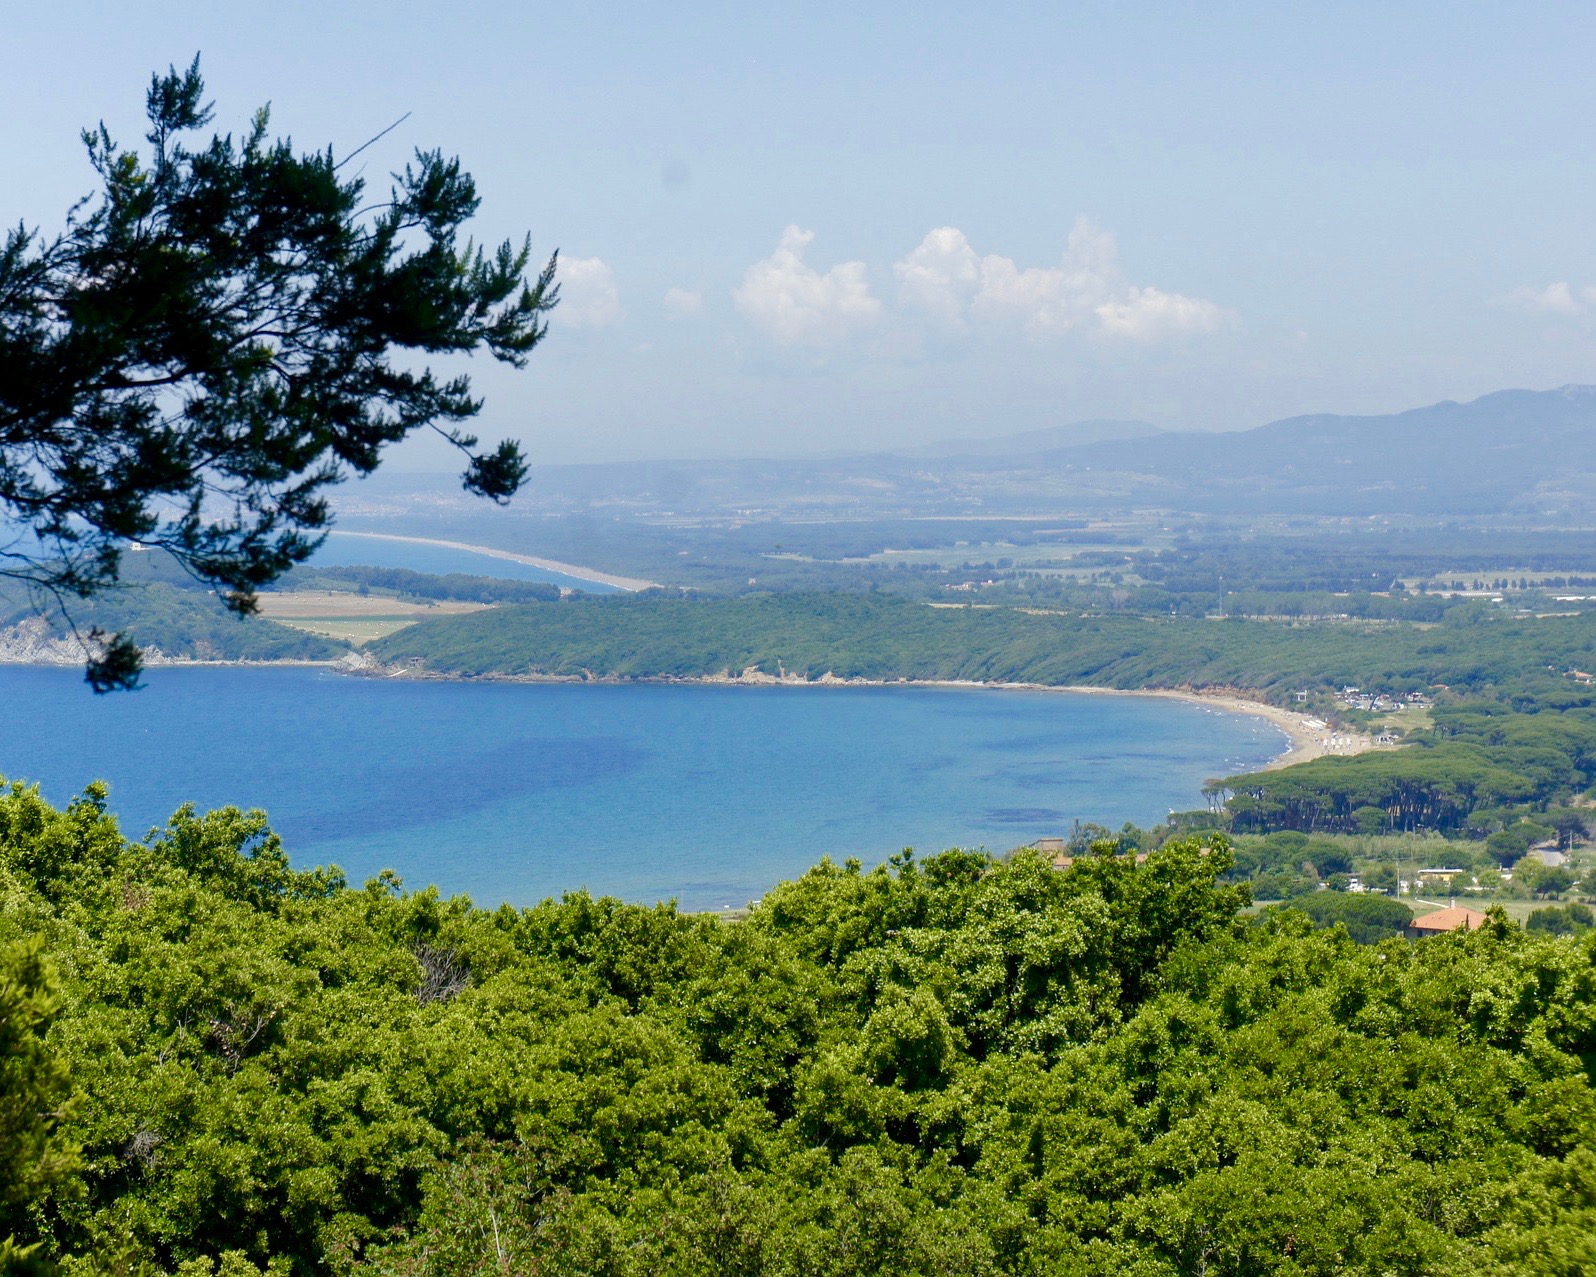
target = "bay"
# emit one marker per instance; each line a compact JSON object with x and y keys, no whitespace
{"x":705,"y":794}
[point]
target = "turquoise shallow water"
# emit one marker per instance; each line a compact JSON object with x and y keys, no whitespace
{"x":513,"y":792}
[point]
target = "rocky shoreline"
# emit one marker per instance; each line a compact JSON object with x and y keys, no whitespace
{"x":32,"y":642}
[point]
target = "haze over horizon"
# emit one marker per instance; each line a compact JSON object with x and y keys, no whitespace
{"x":859,"y":230}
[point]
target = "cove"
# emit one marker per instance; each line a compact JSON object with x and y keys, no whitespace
{"x":708,"y":795}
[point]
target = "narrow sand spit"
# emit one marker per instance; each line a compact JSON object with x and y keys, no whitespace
{"x":548,"y":565}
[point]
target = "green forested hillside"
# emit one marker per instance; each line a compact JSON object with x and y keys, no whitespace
{"x":879,"y":636}
{"x":185,"y":623}
{"x":1436,"y":783}
{"x":1502,"y":758}
{"x":214,"y":1063}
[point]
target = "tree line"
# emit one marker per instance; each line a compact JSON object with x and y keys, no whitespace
{"x":215,"y":1063}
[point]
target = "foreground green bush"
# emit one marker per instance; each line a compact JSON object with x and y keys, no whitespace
{"x":940,"y":1066}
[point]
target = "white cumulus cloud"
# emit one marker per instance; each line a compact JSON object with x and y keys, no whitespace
{"x":683,"y":302}
{"x":1148,"y":314}
{"x":941,"y":276}
{"x":1554,"y":299}
{"x":794,"y":304}
{"x":588,"y":295}
{"x":945,"y":279}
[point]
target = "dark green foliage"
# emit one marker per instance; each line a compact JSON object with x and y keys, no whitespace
{"x":1541,"y":879}
{"x":1562,"y":920}
{"x":1289,"y":865}
{"x":209,"y":344}
{"x":35,"y":1098}
{"x":939,"y":1066}
{"x":1434,"y":787}
{"x":1530,"y":744}
{"x":1367,"y":918}
{"x":877,"y":636}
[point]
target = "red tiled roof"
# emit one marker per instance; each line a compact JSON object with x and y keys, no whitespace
{"x":1448,"y":920}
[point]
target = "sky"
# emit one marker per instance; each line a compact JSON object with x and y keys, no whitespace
{"x":859,"y":226}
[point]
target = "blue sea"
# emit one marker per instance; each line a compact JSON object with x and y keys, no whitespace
{"x":341,"y":549}
{"x":708,"y":795}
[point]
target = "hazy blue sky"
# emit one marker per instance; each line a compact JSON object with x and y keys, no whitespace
{"x":872,"y":224}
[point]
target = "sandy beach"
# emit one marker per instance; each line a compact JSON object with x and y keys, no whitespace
{"x":1310,"y":738}
{"x":1306,"y":740}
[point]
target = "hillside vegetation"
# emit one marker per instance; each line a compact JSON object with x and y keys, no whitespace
{"x":883,"y":637}
{"x":213,"y":1063}
{"x":186,"y":623}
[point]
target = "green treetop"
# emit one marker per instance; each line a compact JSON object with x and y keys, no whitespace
{"x":210,"y":343}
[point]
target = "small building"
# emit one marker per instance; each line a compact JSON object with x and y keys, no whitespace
{"x":1444,"y":920}
{"x":1063,"y":858}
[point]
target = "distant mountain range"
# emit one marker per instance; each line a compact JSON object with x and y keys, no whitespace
{"x":1526,"y":449}
{"x":1515,"y":452}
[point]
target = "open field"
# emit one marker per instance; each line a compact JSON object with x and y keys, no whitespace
{"x":1046,"y":553}
{"x":353,"y":618}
